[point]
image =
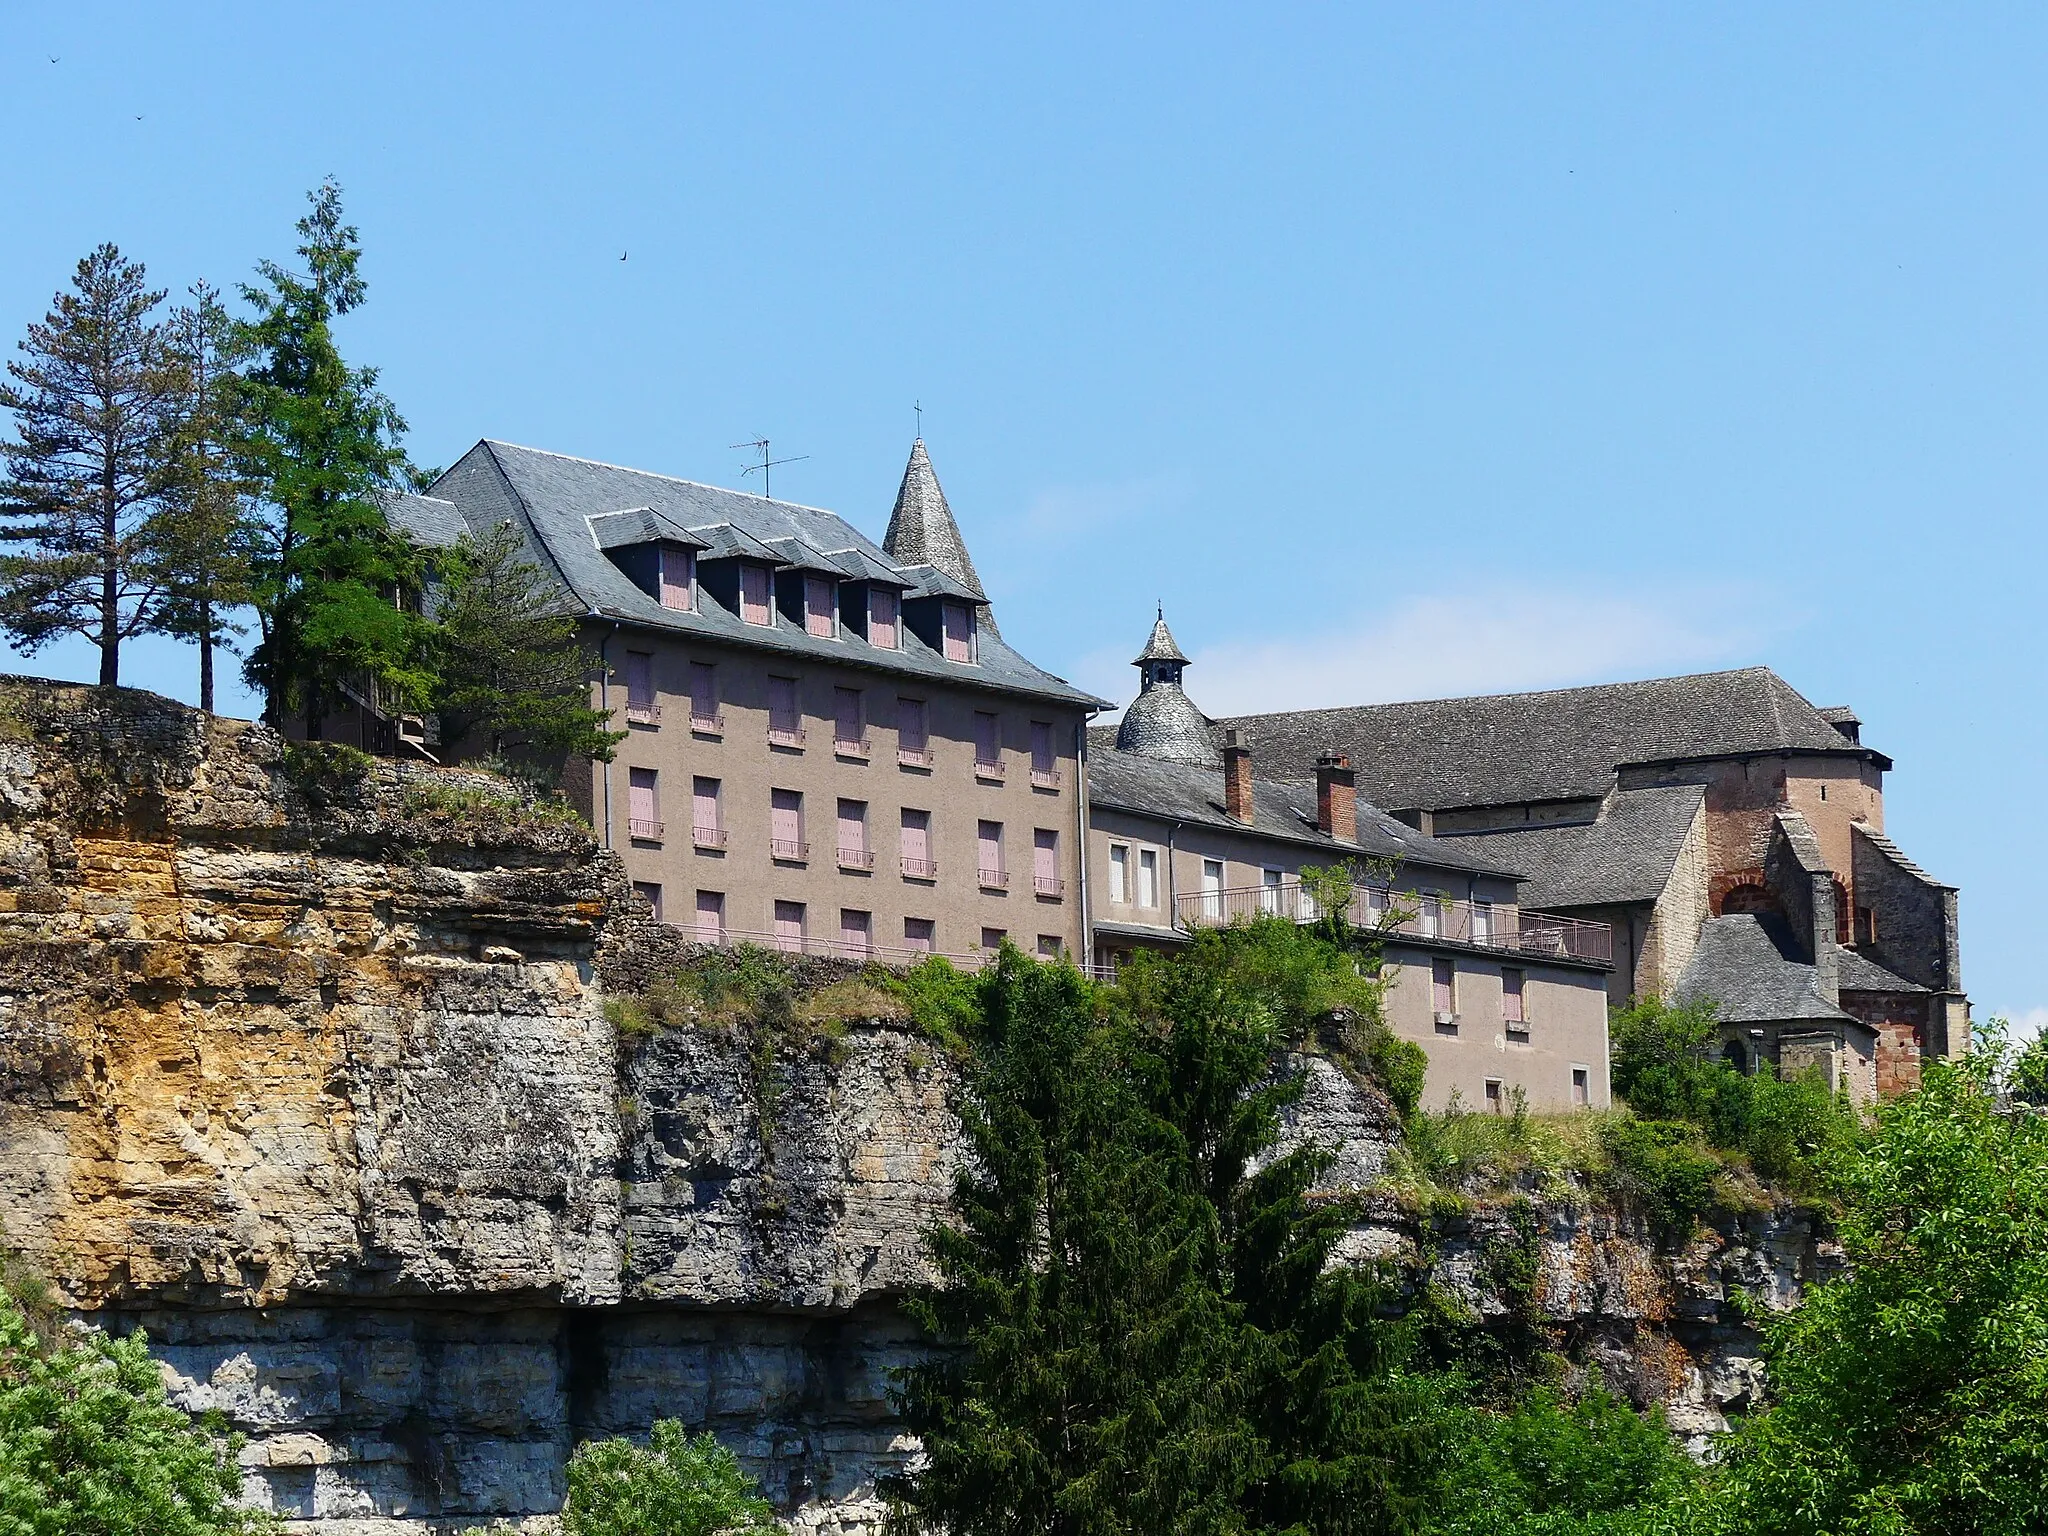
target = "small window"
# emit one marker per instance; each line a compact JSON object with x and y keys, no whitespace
{"x":988,"y":856}
{"x":1148,"y":877}
{"x":789,"y":927}
{"x":884,"y":619}
{"x":1212,"y":887}
{"x":1269,"y":891}
{"x":704,"y":715}
{"x":1496,"y":1096}
{"x":756,"y":606}
{"x":992,"y":938}
{"x":1051,"y":946}
{"x":678,"y":578}
{"x":1582,"y":1088}
{"x":849,"y":725}
{"x":853,"y":835}
{"x":785,"y":720}
{"x":988,"y":744}
{"x":711,"y":917}
{"x":650,"y":892}
{"x":913,"y":746}
{"x":643,"y":804}
{"x":918,"y":862}
{"x":959,"y":636}
{"x":707,"y":827}
{"x":1045,"y":863}
{"x":1866,"y":925}
{"x":1443,"y":986}
{"x":919,"y":935}
{"x":1119,"y":872}
{"x":1045,"y":762}
{"x":856,"y":933}
{"x":786,"y":826}
{"x":1511,"y":984}
{"x":821,"y":607}
{"x":641,"y":708}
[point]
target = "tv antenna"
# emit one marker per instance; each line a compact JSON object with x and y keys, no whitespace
{"x":760,"y":446}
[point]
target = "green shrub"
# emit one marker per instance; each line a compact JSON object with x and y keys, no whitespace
{"x":1665,"y":1169}
{"x":674,"y":1486}
{"x":326,"y":772}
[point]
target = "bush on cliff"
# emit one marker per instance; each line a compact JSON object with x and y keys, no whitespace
{"x":673,"y":1486}
{"x":91,"y":1445}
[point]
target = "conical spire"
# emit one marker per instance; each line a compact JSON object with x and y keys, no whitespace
{"x":1160,"y":647}
{"x":922,"y":530}
{"x":1162,"y":721}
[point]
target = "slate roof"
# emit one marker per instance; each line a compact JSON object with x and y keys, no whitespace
{"x":1558,"y":745}
{"x":1748,"y":963}
{"x":1125,"y":781}
{"x":1161,"y":646}
{"x":1163,"y":722}
{"x":1626,"y":855}
{"x":1856,"y":972}
{"x":922,"y":530}
{"x":555,"y":499}
{"x":426,"y":520}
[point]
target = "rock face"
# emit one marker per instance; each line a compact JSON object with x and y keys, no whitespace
{"x":305,"y":1067}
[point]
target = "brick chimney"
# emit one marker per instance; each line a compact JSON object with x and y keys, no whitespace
{"x":1237,"y":776}
{"x":1337,"y":797}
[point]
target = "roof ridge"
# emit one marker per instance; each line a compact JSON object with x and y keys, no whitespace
{"x":655,"y":474}
{"x":1522,"y":693}
{"x":533,"y":533}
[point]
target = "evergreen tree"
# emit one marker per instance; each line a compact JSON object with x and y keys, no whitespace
{"x":513,"y":669}
{"x":208,"y":539}
{"x":1139,"y":1327}
{"x":321,"y":443}
{"x":91,"y":397}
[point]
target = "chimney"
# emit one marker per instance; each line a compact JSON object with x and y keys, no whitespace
{"x":1337,"y":797}
{"x":1237,"y":776}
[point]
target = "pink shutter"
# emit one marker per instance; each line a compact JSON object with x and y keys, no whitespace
{"x":917,"y":840}
{"x":1511,"y":996}
{"x":846,"y":717}
{"x":678,"y":576}
{"x":786,"y":822}
{"x":910,"y":732}
{"x":639,"y":680}
{"x":988,"y":855}
{"x":853,"y":826}
{"x":783,"y":719}
{"x":703,"y":694}
{"x":710,"y":917}
{"x":641,"y":805}
{"x":918,"y":934}
{"x":1045,"y":858}
{"x":754,"y":594}
{"x":1042,"y":758}
{"x":959,"y":631}
{"x":820,"y":615}
{"x":1441,"y":977}
{"x":789,"y":926}
{"x":987,"y":738}
{"x":856,"y":932}
{"x":704,"y":810}
{"x":883,"y":616}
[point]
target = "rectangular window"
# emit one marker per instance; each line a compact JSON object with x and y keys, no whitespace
{"x":1148,"y":877}
{"x":884,"y":618}
{"x":1270,"y":884}
{"x":918,"y":862}
{"x":1045,"y":763}
{"x":704,"y":715}
{"x":643,"y":804}
{"x":678,"y":578}
{"x":1482,"y":922}
{"x":1511,"y":983}
{"x":821,"y":607}
{"x":988,"y":855}
{"x":1377,"y":904}
{"x":992,"y":938}
{"x":1443,"y":989}
{"x":1119,"y":872}
{"x":786,"y":825}
{"x":959,"y":637}
{"x":1582,"y":1088}
{"x":707,"y":827}
{"x":785,"y":720}
{"x":856,"y":933}
{"x":918,"y":934}
{"x":640,"y":706}
{"x":913,"y":746}
{"x":1045,"y":863}
{"x":756,"y":606}
{"x":1212,"y":887}
{"x":789,"y":926}
{"x":711,"y":917}
{"x":649,"y":892}
{"x":1496,"y":1099}
{"x":849,"y":728}
{"x":853,"y":835}
{"x":1432,"y":914}
{"x":1050,"y":946}
{"x":988,"y":744}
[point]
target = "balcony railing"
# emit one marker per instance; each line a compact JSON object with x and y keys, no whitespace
{"x":989,"y":767}
{"x":646,"y":831}
{"x":787,"y":851}
{"x":1048,"y":885}
{"x":853,"y":949}
{"x":914,"y":757}
{"x":1045,"y":778}
{"x":847,"y":746}
{"x":707,"y":724}
{"x":708,"y":837}
{"x":856,"y":858}
{"x":920,"y":869}
{"x":643,"y":714}
{"x":785,"y":735}
{"x":1407,"y":914}
{"x":993,"y":879}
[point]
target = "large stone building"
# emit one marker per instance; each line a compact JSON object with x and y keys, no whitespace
{"x":1183,"y":832}
{"x":1729,"y":831}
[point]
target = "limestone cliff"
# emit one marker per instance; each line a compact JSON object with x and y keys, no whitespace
{"x":304,"y":1066}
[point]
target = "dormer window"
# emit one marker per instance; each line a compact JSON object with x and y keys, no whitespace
{"x":885,"y":618}
{"x":678,"y":577}
{"x":959,"y":632}
{"x":757,"y":605}
{"x":821,"y":607}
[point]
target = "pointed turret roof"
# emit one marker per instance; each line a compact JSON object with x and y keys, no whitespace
{"x":1161,"y":646}
{"x":922,"y":530}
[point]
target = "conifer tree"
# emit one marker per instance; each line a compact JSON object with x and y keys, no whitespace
{"x":513,"y":670}
{"x":321,"y":443}
{"x":91,"y":396}
{"x":209,"y":538}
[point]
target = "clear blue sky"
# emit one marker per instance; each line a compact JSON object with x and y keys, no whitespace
{"x":1400,"y":351}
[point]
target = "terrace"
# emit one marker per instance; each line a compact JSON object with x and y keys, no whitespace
{"x":1484,"y":925}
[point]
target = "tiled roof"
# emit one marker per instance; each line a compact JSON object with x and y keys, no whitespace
{"x":426,"y":520}
{"x":1856,"y":972}
{"x":1124,"y":781}
{"x":555,"y":499}
{"x":1559,"y":745}
{"x":922,"y":530}
{"x":1747,"y":963}
{"x":1626,"y":855}
{"x":1896,"y":854}
{"x":1161,"y":646}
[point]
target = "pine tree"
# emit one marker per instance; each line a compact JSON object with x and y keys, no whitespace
{"x":334,"y":582}
{"x":513,"y":669}
{"x":208,"y":538}
{"x":91,"y":396}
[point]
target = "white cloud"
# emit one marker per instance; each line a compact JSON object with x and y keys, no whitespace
{"x":2027,"y":1025}
{"x":1488,"y":638}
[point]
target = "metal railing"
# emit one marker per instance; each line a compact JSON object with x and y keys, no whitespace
{"x":914,"y":757}
{"x":785,"y":735}
{"x":708,"y":837}
{"x":786,"y":851}
{"x":1410,"y":914}
{"x":847,"y":746}
{"x":646,"y":831}
{"x":920,"y":869}
{"x":993,"y":879}
{"x":709,"y":724}
{"x":1048,"y":885}
{"x":856,"y":858}
{"x":643,"y":714}
{"x":854,"y":949}
{"x":1045,"y":778}
{"x":990,"y":767}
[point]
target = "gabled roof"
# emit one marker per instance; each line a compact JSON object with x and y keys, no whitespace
{"x":427,"y":521}
{"x":1563,"y":744}
{"x":1626,"y":855}
{"x":1286,"y":813}
{"x":1747,"y":963}
{"x":553,"y":498}
{"x":640,"y":525}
